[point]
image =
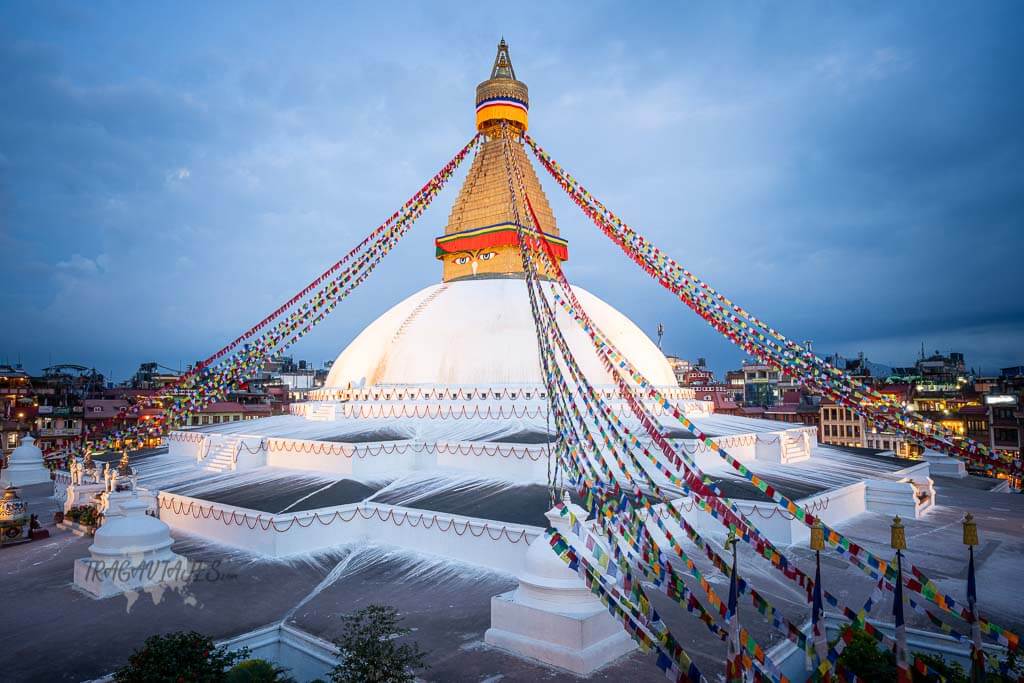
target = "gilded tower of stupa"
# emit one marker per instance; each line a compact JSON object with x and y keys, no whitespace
{"x":481,"y":239}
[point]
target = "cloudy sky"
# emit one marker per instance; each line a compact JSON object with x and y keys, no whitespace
{"x":852,"y":173}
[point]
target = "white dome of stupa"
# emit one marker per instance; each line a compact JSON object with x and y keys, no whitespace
{"x":132,"y":531}
{"x":480,"y":332}
{"x":25,"y":465}
{"x":27,"y":452}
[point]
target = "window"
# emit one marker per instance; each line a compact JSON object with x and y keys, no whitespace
{"x":206,"y":419}
{"x":1005,"y":437}
{"x":849,"y":430}
{"x":195,"y":420}
{"x":216,"y":419}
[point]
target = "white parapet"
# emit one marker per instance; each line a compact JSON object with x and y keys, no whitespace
{"x":909,"y":496}
{"x":552,"y":617}
{"x":942,"y":465}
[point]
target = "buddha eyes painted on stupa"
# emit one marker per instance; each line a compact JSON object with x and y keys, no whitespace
{"x":474,"y":256}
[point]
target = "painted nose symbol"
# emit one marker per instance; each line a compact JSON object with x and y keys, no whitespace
{"x":474,"y":267}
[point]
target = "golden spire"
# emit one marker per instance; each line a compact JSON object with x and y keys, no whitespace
{"x":481,"y":238}
{"x":502,"y":98}
{"x":503,"y":62}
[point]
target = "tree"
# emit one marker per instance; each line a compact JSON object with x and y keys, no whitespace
{"x":178,"y":657}
{"x":369,"y":651}
{"x":257,"y":671}
{"x":863,"y":657}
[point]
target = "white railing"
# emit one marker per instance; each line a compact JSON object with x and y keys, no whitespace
{"x":496,"y":545}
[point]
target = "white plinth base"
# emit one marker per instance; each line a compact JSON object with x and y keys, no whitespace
{"x":24,"y":475}
{"x":580,"y":643}
{"x":106,"y":578}
{"x":942,"y":465}
{"x":81,"y":494}
{"x":110,"y":502}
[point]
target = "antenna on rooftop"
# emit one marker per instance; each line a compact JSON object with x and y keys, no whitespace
{"x":661,"y":333}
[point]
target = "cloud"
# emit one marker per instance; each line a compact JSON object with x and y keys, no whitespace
{"x":80,"y":265}
{"x":178,"y":175}
{"x":851,"y":175}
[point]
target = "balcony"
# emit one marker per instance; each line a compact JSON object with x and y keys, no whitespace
{"x":66,"y":431}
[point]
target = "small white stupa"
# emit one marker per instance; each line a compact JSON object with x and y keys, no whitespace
{"x":552,"y":616}
{"x":131,"y":552}
{"x":26,"y":466}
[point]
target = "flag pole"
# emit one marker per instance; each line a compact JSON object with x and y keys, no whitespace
{"x":818,"y":633}
{"x":898,"y":541}
{"x":734,"y":655}
{"x":977,"y":654}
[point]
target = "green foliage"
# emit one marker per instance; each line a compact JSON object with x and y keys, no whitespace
{"x":89,"y":516}
{"x":83,"y":514}
{"x":952,"y":672}
{"x":258,"y":671}
{"x":1014,"y":670}
{"x":178,"y":658}
{"x":369,"y":651}
{"x":864,"y":658}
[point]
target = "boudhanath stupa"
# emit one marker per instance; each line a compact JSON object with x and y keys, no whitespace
{"x":448,"y":381}
{"x":425,"y":471}
{"x":436,"y":417}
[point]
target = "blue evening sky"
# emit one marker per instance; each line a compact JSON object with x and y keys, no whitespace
{"x":850,"y":172}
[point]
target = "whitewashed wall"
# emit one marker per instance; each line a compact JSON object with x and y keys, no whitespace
{"x":495,"y":545}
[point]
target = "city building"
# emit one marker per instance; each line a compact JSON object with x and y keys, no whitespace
{"x":229,"y":411}
{"x":840,"y":426}
{"x":795,"y":407}
{"x":1006,"y":412}
{"x":760,"y":385}
{"x":17,"y":408}
{"x":734,"y":378}
{"x":680,"y":367}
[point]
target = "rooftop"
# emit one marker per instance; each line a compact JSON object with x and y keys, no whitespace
{"x":447,"y":604}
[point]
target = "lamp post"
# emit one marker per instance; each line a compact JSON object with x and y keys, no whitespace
{"x":898,"y":542}
{"x":977,"y":654}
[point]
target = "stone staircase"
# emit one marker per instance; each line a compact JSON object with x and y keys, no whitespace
{"x":323,"y":412}
{"x":222,"y":456}
{"x":420,"y":307}
{"x":793,"y":448}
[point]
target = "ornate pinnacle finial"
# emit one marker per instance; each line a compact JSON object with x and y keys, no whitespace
{"x":502,"y":100}
{"x":124,"y":466}
{"x":566,"y":500}
{"x":503,"y":62}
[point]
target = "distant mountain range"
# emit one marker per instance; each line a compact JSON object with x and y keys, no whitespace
{"x":855,"y":364}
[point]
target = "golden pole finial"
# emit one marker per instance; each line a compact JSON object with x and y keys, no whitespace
{"x":970,"y":530}
{"x":818,"y":536}
{"x":898,"y":534}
